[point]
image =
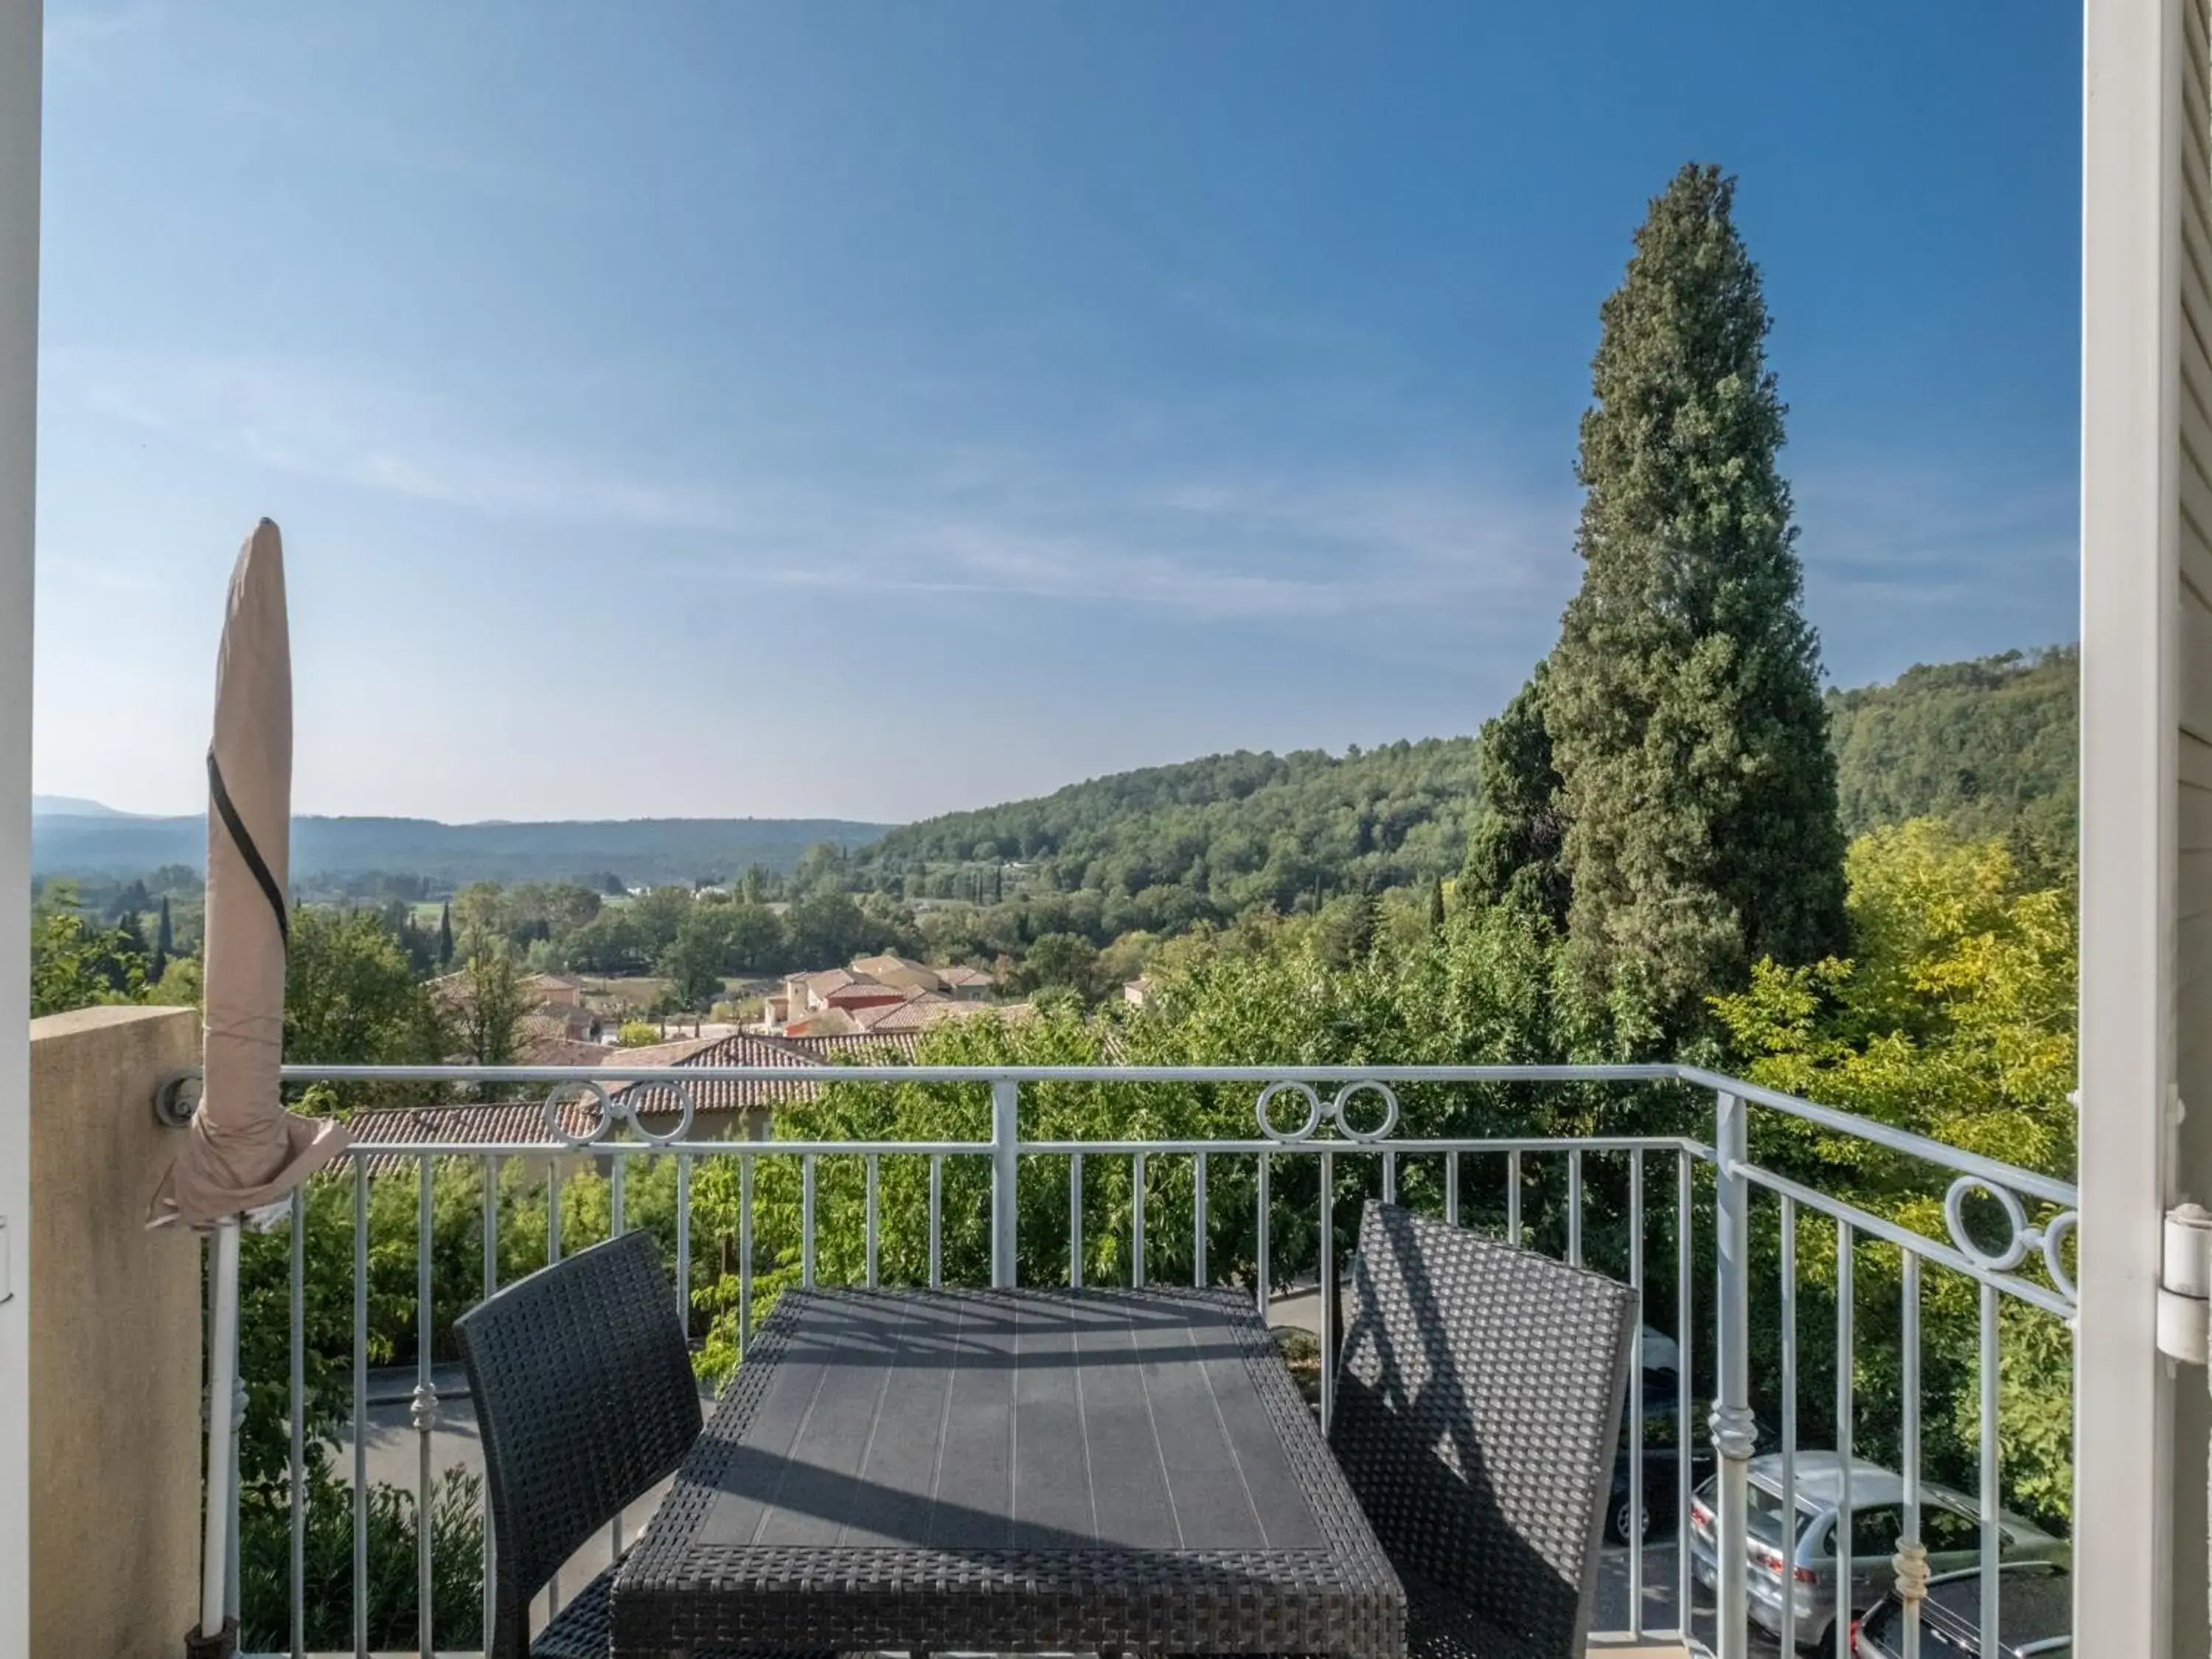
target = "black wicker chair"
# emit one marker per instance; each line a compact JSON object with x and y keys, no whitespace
{"x":584,"y":1400}
{"x":1478,"y":1399}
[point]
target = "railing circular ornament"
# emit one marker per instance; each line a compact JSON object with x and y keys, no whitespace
{"x":2055,"y":1235}
{"x":1288,"y":1086}
{"x":605,"y":1112}
{"x":1339,"y":1109}
{"x":2021,"y":1239}
{"x":636,"y":1091}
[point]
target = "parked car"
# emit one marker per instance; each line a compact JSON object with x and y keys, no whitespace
{"x":1661,"y":1454}
{"x":1796,"y":1555}
{"x":2035,"y":1613}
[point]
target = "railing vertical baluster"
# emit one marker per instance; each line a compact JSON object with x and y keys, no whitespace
{"x":1075,"y":1222}
{"x":683,"y":1239}
{"x":1788,"y":1275}
{"x":361,"y":1408}
{"x":1635,"y":1527}
{"x":936,"y":1220}
{"x":423,"y":1408}
{"x":1513,"y":1198}
{"x":1137,"y":1222}
{"x":490,"y":1290}
{"x":806,"y":1220}
{"x":1575,"y":1206}
{"x":1005,"y":1178}
{"x":875,"y":1175}
{"x":1992,"y":1535}
{"x":1451,"y":1188}
{"x":232,"y":1582}
{"x":617,"y":1224}
{"x":1389,"y":1177}
{"x":298,"y":1426}
{"x":1266,"y":1195}
{"x":1685,"y":1386}
{"x":745,"y":1254}
{"x":1328,"y":1288}
{"x":1733,"y":1428}
{"x":1198,"y":1221}
{"x":552,"y":1255}
{"x":1846,"y":1549}
{"x":1911,"y":1563}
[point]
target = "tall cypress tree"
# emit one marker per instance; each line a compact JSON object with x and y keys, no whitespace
{"x":446,"y":933}
{"x":1682,"y":704}
{"x":1514,"y":845}
{"x":165,"y":944}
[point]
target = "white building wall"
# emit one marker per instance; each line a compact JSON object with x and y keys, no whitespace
{"x":20,"y":47}
{"x":2141,"y":1564}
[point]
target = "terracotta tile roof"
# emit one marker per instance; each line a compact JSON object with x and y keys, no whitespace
{"x":849,"y":997}
{"x":461,"y":1128}
{"x":859,"y":1048}
{"x":665,"y":1053}
{"x":523,"y":1122}
{"x":550,"y":1049}
{"x":716,"y":1095}
{"x":919,"y":1013}
{"x":958,"y":975}
{"x":870,"y":966}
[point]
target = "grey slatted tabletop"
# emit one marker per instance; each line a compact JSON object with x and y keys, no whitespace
{"x":1017,"y":1471}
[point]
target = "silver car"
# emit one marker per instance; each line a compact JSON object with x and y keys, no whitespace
{"x":1799,"y":1559}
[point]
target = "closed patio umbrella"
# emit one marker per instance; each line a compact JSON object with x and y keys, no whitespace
{"x":244,"y":1153}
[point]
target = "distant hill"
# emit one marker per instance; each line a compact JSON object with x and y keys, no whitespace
{"x":1991,"y":745}
{"x":71,"y":806}
{"x":641,"y":851}
{"x":1232,"y":829}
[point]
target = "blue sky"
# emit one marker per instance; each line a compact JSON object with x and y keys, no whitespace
{"x":875,"y":410}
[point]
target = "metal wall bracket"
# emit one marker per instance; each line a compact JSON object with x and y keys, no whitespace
{"x":174,"y":1098}
{"x":2185,"y":1291}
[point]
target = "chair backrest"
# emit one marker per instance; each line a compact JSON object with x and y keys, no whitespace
{"x":1478,"y":1408}
{"x":584,"y":1399}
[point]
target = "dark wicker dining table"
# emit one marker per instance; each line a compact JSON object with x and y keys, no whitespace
{"x":1015,"y":1471}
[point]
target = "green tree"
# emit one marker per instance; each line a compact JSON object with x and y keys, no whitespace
{"x":1683,"y":703}
{"x":165,"y":944}
{"x":351,"y":999}
{"x":693,"y":962}
{"x":75,"y":964}
{"x":1514,"y":850}
{"x":491,"y":1004}
{"x":1067,"y":961}
{"x":659,"y":914}
{"x":756,"y":942}
{"x":1956,"y":1020}
{"x":446,"y":933}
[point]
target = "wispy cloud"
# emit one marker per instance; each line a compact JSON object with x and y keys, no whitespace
{"x":967,"y":519}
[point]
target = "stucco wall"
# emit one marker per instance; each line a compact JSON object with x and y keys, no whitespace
{"x":115,"y":1343}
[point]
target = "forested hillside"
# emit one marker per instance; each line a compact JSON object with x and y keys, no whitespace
{"x":1232,"y":830}
{"x":1989,"y":745}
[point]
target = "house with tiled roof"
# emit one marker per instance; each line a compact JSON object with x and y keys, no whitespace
{"x":839,"y":1000}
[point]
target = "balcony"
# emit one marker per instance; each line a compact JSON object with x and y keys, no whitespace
{"x":1794,"y":1342}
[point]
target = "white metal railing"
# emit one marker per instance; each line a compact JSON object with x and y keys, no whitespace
{"x":1322,"y":1119}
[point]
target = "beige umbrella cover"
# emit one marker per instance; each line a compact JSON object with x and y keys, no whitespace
{"x":246,"y":1152}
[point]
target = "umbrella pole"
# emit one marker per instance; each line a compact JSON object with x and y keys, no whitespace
{"x":222,"y":1384}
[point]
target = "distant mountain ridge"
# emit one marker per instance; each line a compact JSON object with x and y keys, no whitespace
{"x":641,"y":851}
{"x":1992,"y":744}
{"x":72,"y":806}
{"x":1989,"y":743}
